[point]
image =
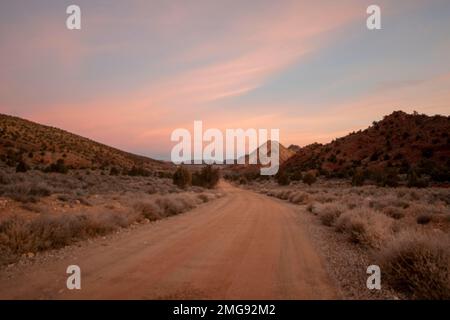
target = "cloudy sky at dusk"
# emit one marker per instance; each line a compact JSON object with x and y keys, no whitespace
{"x":139,"y":69}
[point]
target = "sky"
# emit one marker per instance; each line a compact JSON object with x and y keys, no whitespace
{"x":137,"y":70}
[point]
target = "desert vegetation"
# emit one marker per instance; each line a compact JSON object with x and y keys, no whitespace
{"x":207,"y":177}
{"x":49,"y":210}
{"x":404,"y":230}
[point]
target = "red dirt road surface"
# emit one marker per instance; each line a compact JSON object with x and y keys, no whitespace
{"x":241,"y":246}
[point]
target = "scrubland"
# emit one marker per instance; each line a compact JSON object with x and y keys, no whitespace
{"x":406,"y":231}
{"x":41,"y":211}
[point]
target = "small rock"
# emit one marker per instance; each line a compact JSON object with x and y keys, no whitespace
{"x":30,"y":255}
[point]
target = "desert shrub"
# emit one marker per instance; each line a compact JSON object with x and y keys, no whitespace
{"x":385,"y":178}
{"x":58,"y":167}
{"x":424,"y":218}
{"x":138,"y":171}
{"x":5,"y":178}
{"x":284,"y":194}
{"x":243,"y":180}
{"x":104,"y":223}
{"x":329,"y":213}
{"x":393,"y":212}
{"x":26,"y":191}
{"x":208,"y":177}
{"x":358,"y":178}
{"x":204,"y":197}
{"x":22,"y":167}
{"x":299,"y":197}
{"x":309,"y":178}
{"x":429,"y":209}
{"x":390,"y":179}
{"x":282,"y":178}
{"x":418,"y":265}
{"x":324,"y":198}
{"x":114,"y":171}
{"x":164,"y":174}
{"x":365,"y":226}
{"x":182,"y":177}
{"x":173,"y":205}
{"x":18,"y":235}
{"x":414,"y":181}
{"x":148,"y":210}
{"x":280,"y":194}
{"x":296,"y":176}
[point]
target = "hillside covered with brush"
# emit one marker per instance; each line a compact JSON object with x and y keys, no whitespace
{"x":400,"y":143}
{"x":38,"y":146}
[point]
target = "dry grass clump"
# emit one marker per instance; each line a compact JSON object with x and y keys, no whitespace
{"x":26,"y":192}
{"x":167,"y":205}
{"x":329,"y":213}
{"x":432,"y":209}
{"x":394,"y":212}
{"x":207,"y":196}
{"x":284,"y":194}
{"x":32,"y":185}
{"x":386,"y":201}
{"x":19,"y":236}
{"x":424,"y":218}
{"x":175,"y":205}
{"x":365,"y":226}
{"x":324,"y":198}
{"x":418,"y":264}
{"x":148,"y":210}
{"x":299,"y":197}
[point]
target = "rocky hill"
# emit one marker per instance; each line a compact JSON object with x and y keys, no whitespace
{"x":38,"y":146}
{"x":400,"y":142}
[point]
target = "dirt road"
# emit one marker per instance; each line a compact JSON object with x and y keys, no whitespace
{"x":241,"y":246}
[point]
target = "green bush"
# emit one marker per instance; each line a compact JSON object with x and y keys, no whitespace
{"x":358,"y":178}
{"x":58,"y":167}
{"x":282,"y":178}
{"x":414,"y":180}
{"x":296,"y":176}
{"x":309,"y":178}
{"x":138,"y":171}
{"x":207,"y":177}
{"x":182,"y":177}
{"x":22,"y":167}
{"x":114,"y":171}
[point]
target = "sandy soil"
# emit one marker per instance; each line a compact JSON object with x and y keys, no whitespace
{"x":241,"y":246}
